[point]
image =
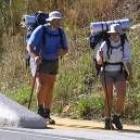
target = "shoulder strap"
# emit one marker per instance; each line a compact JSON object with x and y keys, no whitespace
{"x":109,"y":50}
{"x":61,"y":34}
{"x":123,"y":39}
{"x":61,"y":37}
{"x":43,"y":35}
{"x":109,"y":47}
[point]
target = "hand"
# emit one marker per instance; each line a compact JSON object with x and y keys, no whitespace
{"x":130,"y":79}
{"x":101,"y":54}
{"x":100,"y":60}
{"x":61,"y":52}
{"x":37,"y":60}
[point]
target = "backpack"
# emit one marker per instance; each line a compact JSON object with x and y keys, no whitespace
{"x":99,"y":34}
{"x":99,"y":30}
{"x":31,"y":22}
{"x":98,"y":38}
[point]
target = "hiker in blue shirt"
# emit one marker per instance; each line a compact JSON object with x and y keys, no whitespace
{"x":46,"y":45}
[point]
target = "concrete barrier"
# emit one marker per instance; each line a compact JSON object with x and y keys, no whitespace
{"x":13,"y":114}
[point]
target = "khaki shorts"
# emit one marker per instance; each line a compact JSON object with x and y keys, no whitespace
{"x":112,"y":77}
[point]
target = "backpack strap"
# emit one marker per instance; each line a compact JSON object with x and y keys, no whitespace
{"x":109,"y":50}
{"x":43,"y":35}
{"x":123,"y":39}
{"x":109,"y":46}
{"x":61,"y":34}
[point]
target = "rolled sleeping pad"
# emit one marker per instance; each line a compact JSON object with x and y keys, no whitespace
{"x":96,"y":27}
{"x":29,"y":19}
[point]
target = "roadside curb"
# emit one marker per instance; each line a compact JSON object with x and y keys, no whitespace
{"x":13,"y":114}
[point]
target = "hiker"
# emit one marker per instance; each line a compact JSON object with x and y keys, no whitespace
{"x":45,"y":46}
{"x":114,"y":57}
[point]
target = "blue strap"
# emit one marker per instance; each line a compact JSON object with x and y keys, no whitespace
{"x":61,"y":34}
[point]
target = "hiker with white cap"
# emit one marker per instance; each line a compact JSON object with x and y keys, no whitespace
{"x":115,"y":57}
{"x":46,"y":45}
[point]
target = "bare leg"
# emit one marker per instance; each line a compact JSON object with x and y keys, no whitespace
{"x":121,"y":92}
{"x":45,"y":84}
{"x":50,"y":80}
{"x":108,"y":99}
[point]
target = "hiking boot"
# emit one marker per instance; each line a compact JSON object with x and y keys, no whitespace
{"x":108,"y":124}
{"x":117,"y":121}
{"x":50,"y":121}
{"x":41,"y":111}
{"x":47,"y":116}
{"x":45,"y":113}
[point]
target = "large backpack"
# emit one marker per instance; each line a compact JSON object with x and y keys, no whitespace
{"x":99,"y":30}
{"x":31,"y":22}
{"x":97,"y":38}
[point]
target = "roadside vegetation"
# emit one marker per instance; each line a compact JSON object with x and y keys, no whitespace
{"x":78,"y":92}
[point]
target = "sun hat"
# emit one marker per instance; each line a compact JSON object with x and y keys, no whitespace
{"x":115,"y":28}
{"x":54,"y":15}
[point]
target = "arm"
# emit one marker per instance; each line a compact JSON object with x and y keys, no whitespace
{"x":101,"y":54}
{"x":127,"y":60}
{"x":63,"y":50}
{"x":128,"y":68}
{"x":33,"y":45}
{"x":33,"y":54}
{"x":31,"y":51}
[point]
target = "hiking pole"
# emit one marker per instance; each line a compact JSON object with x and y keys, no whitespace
{"x":32,"y":89}
{"x":105,"y":86}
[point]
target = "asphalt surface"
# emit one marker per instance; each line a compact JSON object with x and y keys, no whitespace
{"x":26,"y":134}
{"x":57,"y":132}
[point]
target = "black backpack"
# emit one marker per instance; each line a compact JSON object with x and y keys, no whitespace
{"x":96,"y":38}
{"x":31,"y":22}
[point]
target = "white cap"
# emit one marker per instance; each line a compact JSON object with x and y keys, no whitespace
{"x":54,"y":15}
{"x":115,"y":28}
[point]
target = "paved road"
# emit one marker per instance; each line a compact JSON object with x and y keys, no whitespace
{"x":15,"y":134}
{"x":66,"y":133}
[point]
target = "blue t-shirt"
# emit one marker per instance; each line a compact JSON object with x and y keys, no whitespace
{"x":47,"y":41}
